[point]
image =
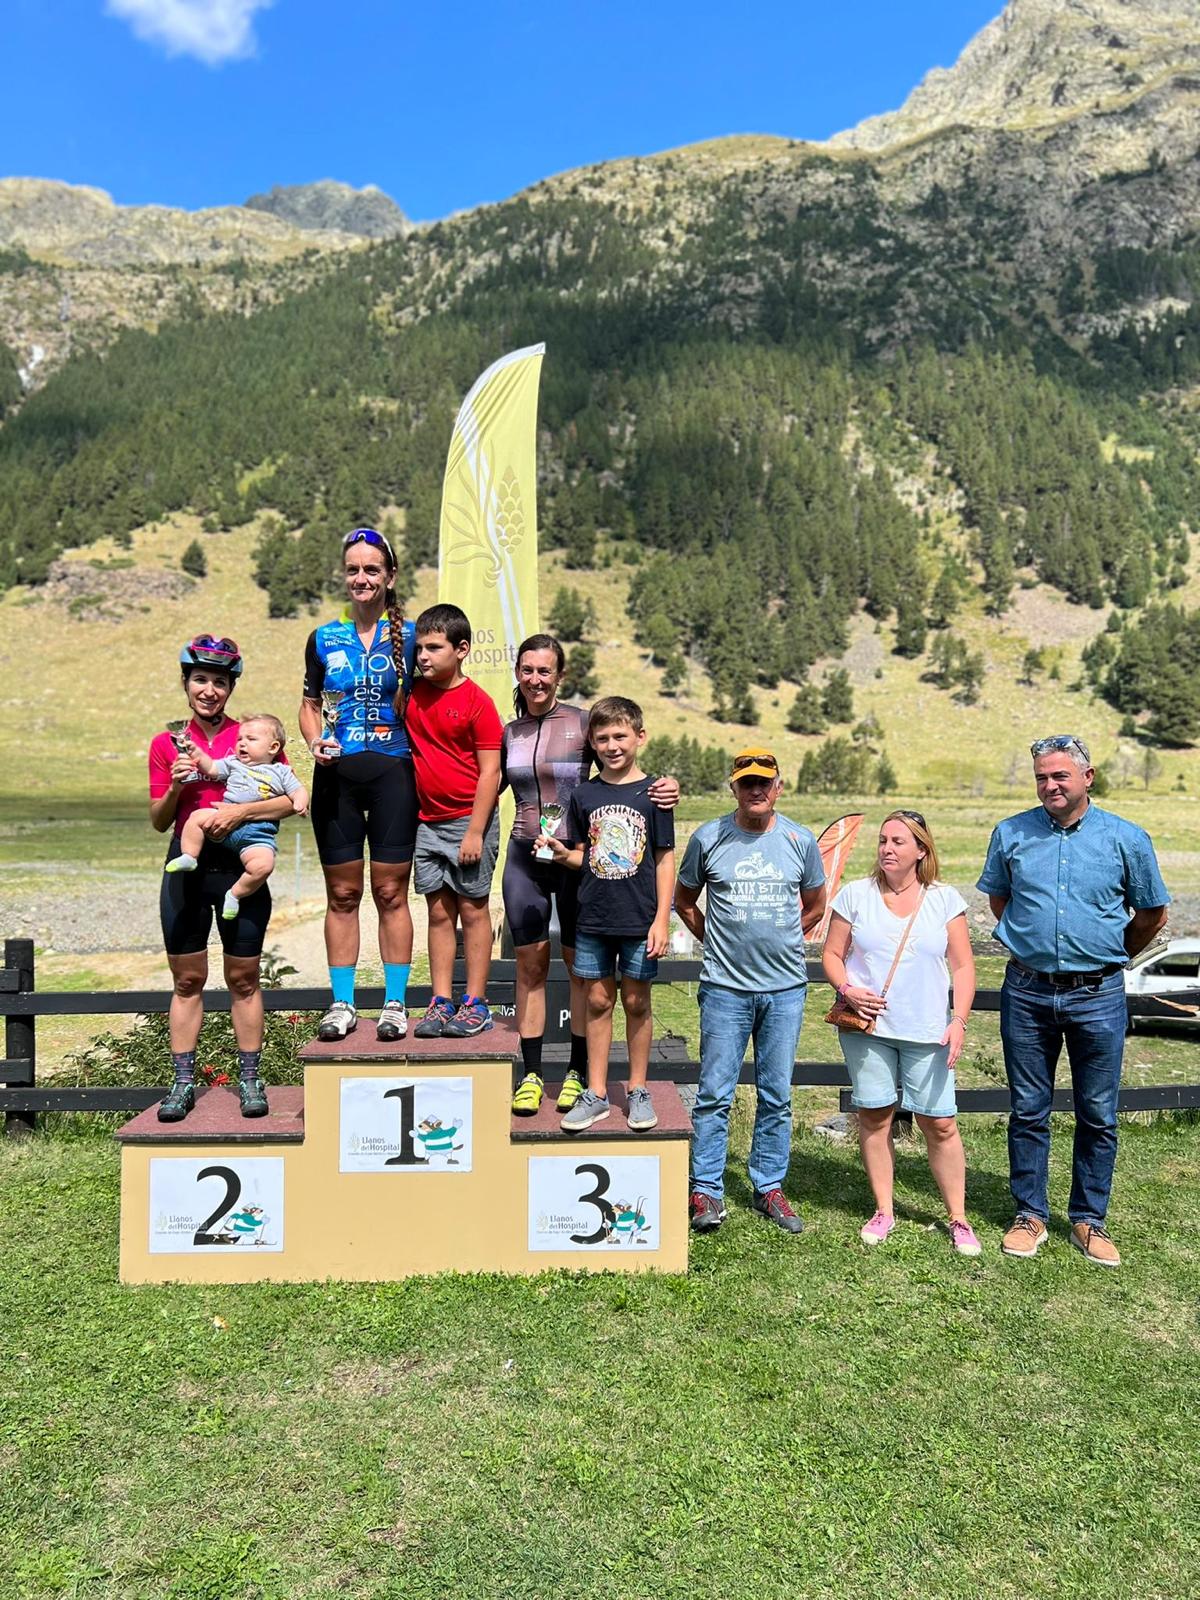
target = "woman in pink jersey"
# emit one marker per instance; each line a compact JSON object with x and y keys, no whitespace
{"x":189,"y":902}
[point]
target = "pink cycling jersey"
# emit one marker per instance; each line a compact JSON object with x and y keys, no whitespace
{"x":201,"y":792}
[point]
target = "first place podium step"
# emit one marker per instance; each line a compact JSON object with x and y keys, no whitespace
{"x":396,"y":1160}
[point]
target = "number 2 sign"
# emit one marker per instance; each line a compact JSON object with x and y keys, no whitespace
{"x":610,"y":1204}
{"x":199,"y":1206}
{"x":405,"y":1125}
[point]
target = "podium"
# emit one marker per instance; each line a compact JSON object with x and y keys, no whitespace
{"x":397,"y":1160}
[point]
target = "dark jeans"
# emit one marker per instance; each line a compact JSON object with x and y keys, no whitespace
{"x":1035,"y":1021}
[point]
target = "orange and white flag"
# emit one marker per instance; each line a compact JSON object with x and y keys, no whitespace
{"x":835,"y":845}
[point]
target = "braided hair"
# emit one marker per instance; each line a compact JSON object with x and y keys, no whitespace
{"x":395,"y":616}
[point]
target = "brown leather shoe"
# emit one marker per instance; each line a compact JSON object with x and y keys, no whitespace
{"x":1025,"y":1238}
{"x":1092,"y":1241}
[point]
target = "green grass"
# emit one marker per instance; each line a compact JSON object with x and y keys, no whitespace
{"x":795,"y":1418}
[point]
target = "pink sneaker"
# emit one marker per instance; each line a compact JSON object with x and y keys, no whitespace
{"x":877,"y":1230}
{"x":962,"y":1237}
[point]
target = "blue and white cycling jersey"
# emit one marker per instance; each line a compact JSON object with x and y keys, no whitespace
{"x":334,"y":658}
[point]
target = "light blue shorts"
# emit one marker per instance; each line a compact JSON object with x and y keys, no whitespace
{"x":881,"y":1068}
{"x":597,"y":955}
{"x":248,"y":835}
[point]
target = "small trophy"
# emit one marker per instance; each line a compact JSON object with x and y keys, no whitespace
{"x":331,"y":705}
{"x":550,"y":818}
{"x":178,"y":729}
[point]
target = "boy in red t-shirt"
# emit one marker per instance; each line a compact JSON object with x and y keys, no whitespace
{"x":454,"y":730}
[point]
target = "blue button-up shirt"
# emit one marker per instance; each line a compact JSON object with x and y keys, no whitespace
{"x":1070,"y":890}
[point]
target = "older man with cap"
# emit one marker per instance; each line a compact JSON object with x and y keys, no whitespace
{"x":1076,"y":891}
{"x":764,"y":887}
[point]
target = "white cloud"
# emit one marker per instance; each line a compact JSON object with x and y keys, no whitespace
{"x":211,"y":30}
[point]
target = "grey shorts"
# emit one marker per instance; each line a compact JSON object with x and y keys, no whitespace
{"x":436,"y":865}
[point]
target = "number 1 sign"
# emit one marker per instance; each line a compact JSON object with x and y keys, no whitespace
{"x":199,"y":1206}
{"x":405,"y":1125}
{"x":610,"y":1204}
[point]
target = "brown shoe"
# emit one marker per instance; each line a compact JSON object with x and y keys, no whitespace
{"x":1025,"y":1238}
{"x":1092,"y":1241}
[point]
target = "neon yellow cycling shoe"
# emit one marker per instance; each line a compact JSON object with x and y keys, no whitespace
{"x":527,"y":1096}
{"x":571,"y":1089}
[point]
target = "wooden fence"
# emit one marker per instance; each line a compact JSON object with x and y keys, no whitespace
{"x":21,"y":1004}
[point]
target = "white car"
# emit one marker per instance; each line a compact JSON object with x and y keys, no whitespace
{"x":1171,"y":969}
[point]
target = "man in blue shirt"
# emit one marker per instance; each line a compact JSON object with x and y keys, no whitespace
{"x":1076,"y":891}
{"x":762,"y":877}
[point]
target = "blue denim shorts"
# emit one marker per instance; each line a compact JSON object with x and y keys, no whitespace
{"x":251,"y":834}
{"x":597,"y":955}
{"x":884,"y":1070}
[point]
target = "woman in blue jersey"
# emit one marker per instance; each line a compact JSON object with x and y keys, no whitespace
{"x":363,"y":794}
{"x":544,"y":758}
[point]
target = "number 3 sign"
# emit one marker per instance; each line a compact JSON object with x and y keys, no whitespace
{"x":203,"y":1207}
{"x":405,"y":1125}
{"x":576,"y":1204}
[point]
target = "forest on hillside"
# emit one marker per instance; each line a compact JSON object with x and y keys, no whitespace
{"x":749,"y":470}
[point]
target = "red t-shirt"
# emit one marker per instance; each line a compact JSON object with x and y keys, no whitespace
{"x":445,"y":728}
{"x":201,"y":792}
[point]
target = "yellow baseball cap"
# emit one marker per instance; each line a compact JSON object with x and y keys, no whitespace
{"x":754,"y":762}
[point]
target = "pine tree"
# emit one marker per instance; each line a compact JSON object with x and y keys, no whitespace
{"x":837,"y":698}
{"x":806,"y":715}
{"x":193,"y":560}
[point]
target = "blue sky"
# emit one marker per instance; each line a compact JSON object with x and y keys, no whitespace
{"x":203,"y":102}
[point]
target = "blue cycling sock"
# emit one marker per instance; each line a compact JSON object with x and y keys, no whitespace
{"x":341,"y":981}
{"x":395,"y":980}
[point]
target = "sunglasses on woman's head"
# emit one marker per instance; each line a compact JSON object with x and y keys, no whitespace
{"x":206,"y":641}
{"x":369,"y":536}
{"x":913,"y":816}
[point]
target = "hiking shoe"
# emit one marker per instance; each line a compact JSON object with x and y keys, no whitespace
{"x":877,"y":1230}
{"x":640,"y":1113}
{"x":177,"y":1102}
{"x":773,"y":1206}
{"x":962,"y":1237}
{"x":572,"y":1088}
{"x":587,"y":1109}
{"x":338,"y":1021}
{"x":392,"y":1024}
{"x":253,"y":1096}
{"x":433,"y":1024}
{"x":472,"y":1017}
{"x":1025,"y":1238}
{"x":708,"y":1213}
{"x":1092,"y":1241}
{"x":527,"y":1098}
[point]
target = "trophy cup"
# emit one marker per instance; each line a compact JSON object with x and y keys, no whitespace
{"x":551,"y":816}
{"x":331,"y":705}
{"x":178,"y":729}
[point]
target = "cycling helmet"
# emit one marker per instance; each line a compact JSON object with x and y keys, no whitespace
{"x":207,"y":650}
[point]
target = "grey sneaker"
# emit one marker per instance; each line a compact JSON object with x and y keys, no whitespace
{"x":392,"y":1024}
{"x":641,"y":1114}
{"x":338,"y":1021}
{"x":708,"y":1213}
{"x":773,"y":1206}
{"x":587,"y":1109}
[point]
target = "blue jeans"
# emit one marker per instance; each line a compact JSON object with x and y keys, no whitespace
{"x":729,"y":1019}
{"x":1035,"y":1021}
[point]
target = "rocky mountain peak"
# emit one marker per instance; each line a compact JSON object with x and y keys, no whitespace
{"x":1040,"y":62}
{"x":327,"y":205}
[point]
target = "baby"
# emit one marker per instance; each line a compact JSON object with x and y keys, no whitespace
{"x":254,"y":773}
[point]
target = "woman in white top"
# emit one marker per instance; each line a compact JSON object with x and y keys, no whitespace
{"x":917,"y":1037}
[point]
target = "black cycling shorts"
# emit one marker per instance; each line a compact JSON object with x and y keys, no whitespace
{"x":365,"y":800}
{"x":528,"y":887}
{"x":188,"y":902}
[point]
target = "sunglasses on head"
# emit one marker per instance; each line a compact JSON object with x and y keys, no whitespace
{"x":369,"y":536}
{"x":913,"y":816}
{"x":1059,"y":741}
{"x":209,"y":645}
{"x":743,"y":762}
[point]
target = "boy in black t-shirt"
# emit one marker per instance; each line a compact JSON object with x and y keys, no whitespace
{"x":625,"y":847}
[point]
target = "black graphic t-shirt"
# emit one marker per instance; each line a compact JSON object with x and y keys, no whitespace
{"x":620,"y":829}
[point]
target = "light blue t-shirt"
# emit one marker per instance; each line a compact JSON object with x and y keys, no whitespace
{"x":753,"y":940}
{"x":1070,"y":890}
